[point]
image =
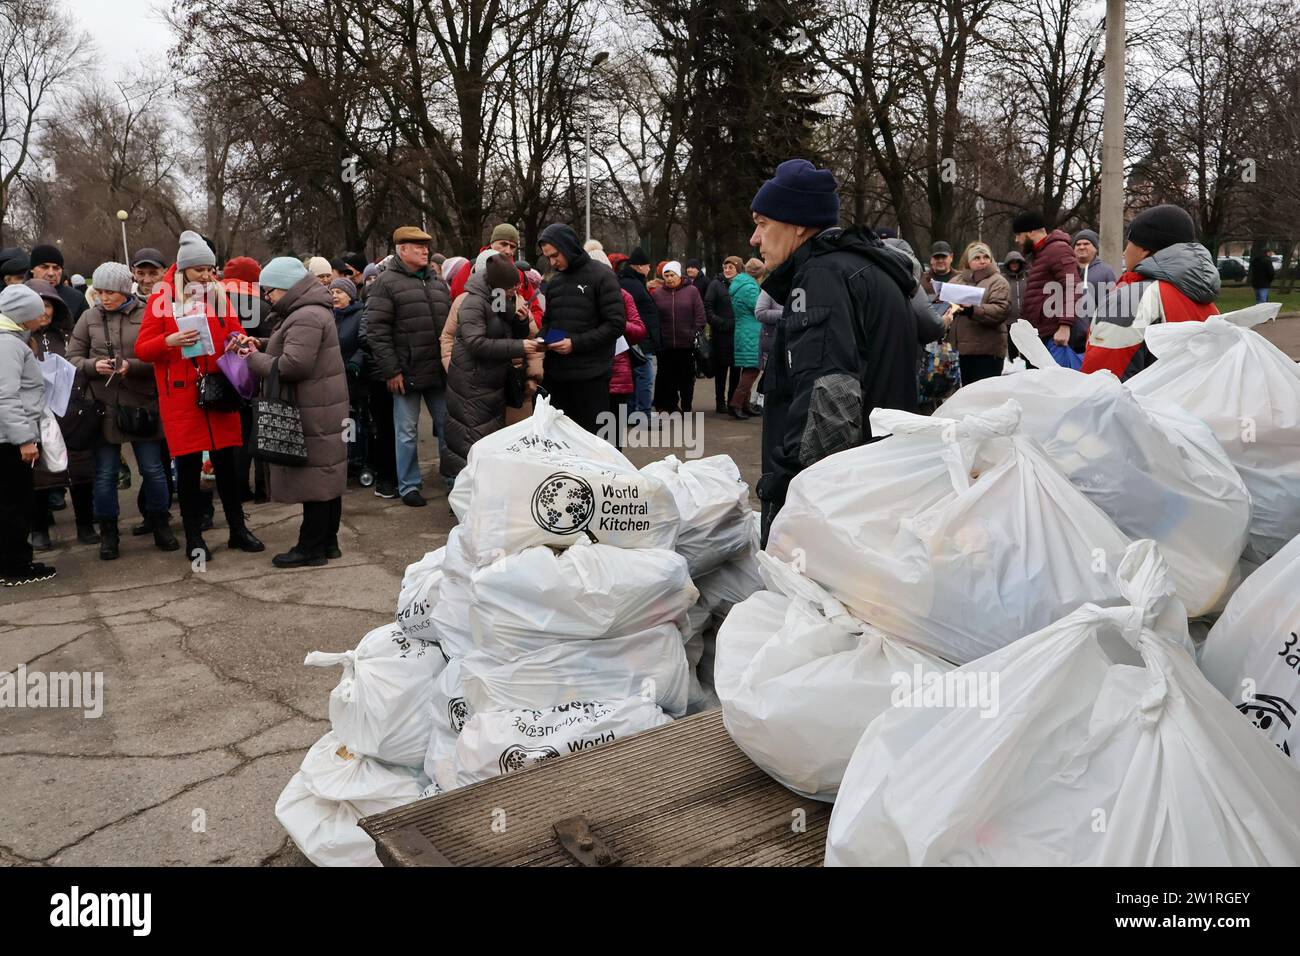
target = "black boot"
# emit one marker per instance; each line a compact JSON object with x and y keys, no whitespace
{"x":294,"y":558}
{"x":241,"y":539}
{"x":108,"y":539}
{"x":195,"y":546}
{"x":86,"y":534}
{"x":159,"y":524}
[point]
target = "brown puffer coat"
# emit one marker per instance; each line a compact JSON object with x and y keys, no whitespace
{"x":306,"y":346}
{"x":405,"y":313}
{"x":485,"y":347}
{"x":982,"y":329}
{"x":95,"y":331}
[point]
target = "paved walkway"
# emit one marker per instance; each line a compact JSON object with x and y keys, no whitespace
{"x":207,"y":709}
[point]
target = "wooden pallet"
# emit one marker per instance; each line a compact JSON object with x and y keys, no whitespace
{"x":679,"y":795}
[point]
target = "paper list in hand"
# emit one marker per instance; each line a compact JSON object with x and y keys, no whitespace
{"x":960,"y":294}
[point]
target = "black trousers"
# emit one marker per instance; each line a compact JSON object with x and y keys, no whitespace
{"x":383,"y":441}
{"x":17,"y":501}
{"x":83,"y":506}
{"x":582,"y":400}
{"x":675,"y":383}
{"x":977,"y":367}
{"x":193,"y":504}
{"x":320,"y":526}
{"x":725,"y":382}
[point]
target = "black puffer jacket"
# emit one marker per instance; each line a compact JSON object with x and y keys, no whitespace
{"x":633,"y":284}
{"x":846,"y":344}
{"x":585,"y":302}
{"x":717,"y":306}
{"x":405,"y":313}
{"x":476,"y":378}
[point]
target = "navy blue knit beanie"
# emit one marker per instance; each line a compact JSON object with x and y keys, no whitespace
{"x":800,"y":194}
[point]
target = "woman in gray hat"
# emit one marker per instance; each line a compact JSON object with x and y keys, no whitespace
{"x":103,"y":348}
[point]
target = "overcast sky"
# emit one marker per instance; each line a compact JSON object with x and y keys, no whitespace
{"x":128,"y":34}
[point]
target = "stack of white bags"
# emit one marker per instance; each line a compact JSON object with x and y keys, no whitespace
{"x":562,"y":614}
{"x":973,"y":634}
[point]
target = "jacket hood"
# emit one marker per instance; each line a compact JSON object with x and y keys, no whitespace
{"x":1015,"y":255}
{"x":1188,"y":267}
{"x":866,"y":243}
{"x":562,"y":237}
{"x":743,"y":279}
{"x":306,"y":291}
{"x":62,"y":317}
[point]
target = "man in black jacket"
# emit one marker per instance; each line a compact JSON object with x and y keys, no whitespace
{"x":846,"y":342}
{"x":46,"y":263}
{"x":632,"y":278}
{"x":406,"y":309}
{"x":584,"y":318}
{"x":1261,"y":274}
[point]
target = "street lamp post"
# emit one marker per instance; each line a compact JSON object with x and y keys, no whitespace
{"x":1112,"y":139}
{"x":123,"y":216}
{"x":596,"y":61}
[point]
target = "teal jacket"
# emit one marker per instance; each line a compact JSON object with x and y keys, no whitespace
{"x":744,"y":296}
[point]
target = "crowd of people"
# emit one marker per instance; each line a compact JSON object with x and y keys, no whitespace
{"x":824,"y":325}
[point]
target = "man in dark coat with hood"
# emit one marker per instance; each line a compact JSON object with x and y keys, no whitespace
{"x":584,"y":318}
{"x":846,"y":341}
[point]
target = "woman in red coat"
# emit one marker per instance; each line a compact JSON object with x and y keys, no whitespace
{"x":190,"y":287}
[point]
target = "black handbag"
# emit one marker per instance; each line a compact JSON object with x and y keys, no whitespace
{"x":703,"y":352}
{"x":131,"y":420}
{"x":83,"y":422}
{"x":277,"y":425}
{"x":636,"y":355}
{"x":216,"y":394}
{"x":516,"y":387}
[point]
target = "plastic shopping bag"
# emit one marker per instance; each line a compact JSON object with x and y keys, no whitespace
{"x":500,"y":742}
{"x":548,"y":431}
{"x":1106,"y":747}
{"x":334,"y":789}
{"x":419,"y":595}
{"x":1248,"y":391}
{"x":713,"y":504}
{"x":586,"y":592}
{"x":1156,"y":470}
{"x":380,"y":707}
{"x":54,"y":452}
{"x":556,"y":500}
{"x":1252,"y":654}
{"x":958,"y":536}
{"x":800,"y":679}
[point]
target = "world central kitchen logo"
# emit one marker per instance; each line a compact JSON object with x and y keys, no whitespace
{"x":565,"y":504}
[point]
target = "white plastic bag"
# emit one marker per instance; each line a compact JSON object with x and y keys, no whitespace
{"x":557,"y":500}
{"x":1252,"y":654}
{"x":450,"y":616}
{"x":334,"y":789}
{"x":587,"y":592}
{"x":1108,"y":747}
{"x":380,"y":707}
{"x":800,"y":679}
{"x":547,"y":431}
{"x":419,"y":595}
{"x":713,"y":502}
{"x":1248,"y":391}
{"x":499,"y":742}
{"x":54,"y":452}
{"x":1156,"y":470}
{"x":956,"y":536}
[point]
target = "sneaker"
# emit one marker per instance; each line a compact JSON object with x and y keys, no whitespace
{"x":385,"y":489}
{"x":413,"y":499}
{"x":30,"y":575}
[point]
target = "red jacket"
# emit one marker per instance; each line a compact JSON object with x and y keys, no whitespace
{"x":1051,"y":285}
{"x":188,"y":428}
{"x":620,"y":382}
